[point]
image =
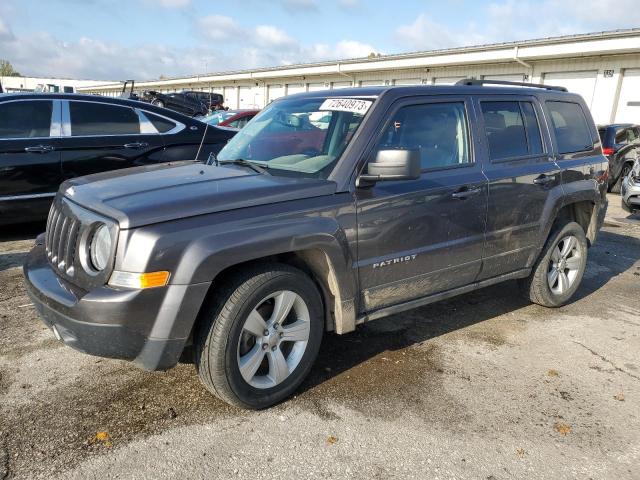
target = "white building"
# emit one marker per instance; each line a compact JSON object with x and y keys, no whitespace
{"x":29,"y":84}
{"x":602,"y":67}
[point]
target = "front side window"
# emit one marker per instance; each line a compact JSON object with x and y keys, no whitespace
{"x":27,"y":119}
{"x":438,"y":130}
{"x":570,"y":127}
{"x":512,"y":129}
{"x":97,"y":119}
{"x":299,"y":137}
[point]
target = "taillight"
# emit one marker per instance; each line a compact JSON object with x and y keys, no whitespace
{"x":608,"y":150}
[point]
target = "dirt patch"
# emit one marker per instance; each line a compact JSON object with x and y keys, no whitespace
{"x":125,"y":402}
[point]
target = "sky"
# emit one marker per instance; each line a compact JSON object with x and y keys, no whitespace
{"x":146,"y":39}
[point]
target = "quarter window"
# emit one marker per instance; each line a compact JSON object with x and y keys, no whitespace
{"x":570,"y":127}
{"x":438,"y":130}
{"x":512,"y":129}
{"x":163,"y":125}
{"x":28,"y":119}
{"x":96,"y":119}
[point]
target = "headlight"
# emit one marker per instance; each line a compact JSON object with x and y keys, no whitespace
{"x":100,"y":248}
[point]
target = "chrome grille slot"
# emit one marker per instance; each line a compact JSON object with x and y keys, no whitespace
{"x":61,"y":238}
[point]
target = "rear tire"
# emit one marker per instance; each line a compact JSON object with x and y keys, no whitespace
{"x":258,"y":338}
{"x":626,"y":168}
{"x":557,"y":273}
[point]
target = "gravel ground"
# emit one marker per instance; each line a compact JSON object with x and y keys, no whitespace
{"x":481,"y":386}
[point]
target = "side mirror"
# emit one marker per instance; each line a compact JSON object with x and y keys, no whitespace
{"x":395,"y":164}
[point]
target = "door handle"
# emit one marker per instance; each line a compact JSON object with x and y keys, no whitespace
{"x":39,"y":149}
{"x":466,"y":192}
{"x":136,"y":145}
{"x":543,"y":180}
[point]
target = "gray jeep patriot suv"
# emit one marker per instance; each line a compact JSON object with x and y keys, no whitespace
{"x":328,"y":210}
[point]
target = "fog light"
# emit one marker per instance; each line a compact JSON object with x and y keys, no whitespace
{"x":139,"y":280}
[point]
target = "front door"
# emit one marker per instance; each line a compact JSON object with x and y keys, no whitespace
{"x":424,"y":236}
{"x":104,"y":137}
{"x":29,"y":158}
{"x":522,"y":174}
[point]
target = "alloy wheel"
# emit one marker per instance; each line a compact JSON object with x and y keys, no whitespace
{"x":274,"y":339}
{"x":564,"y":265}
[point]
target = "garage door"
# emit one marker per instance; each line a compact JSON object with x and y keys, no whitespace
{"x":274,"y":92}
{"x":518,"y":77}
{"x":582,"y":83}
{"x":251,"y":97}
{"x":337,"y":85}
{"x":314,"y":87}
{"x":294,"y":88}
{"x":447,"y":80}
{"x":230,"y":97}
{"x":408,"y":81}
{"x":628,"y":109}
{"x":371,"y":83}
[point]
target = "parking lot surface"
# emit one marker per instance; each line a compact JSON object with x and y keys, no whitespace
{"x":485,"y":385}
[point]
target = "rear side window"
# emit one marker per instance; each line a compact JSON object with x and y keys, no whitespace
{"x":27,"y":119}
{"x":96,"y":119}
{"x":512,"y":129}
{"x":570,"y":127}
{"x":163,"y":125}
{"x":438,"y":130}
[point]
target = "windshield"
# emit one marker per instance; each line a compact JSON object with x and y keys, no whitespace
{"x":216,"y":118}
{"x":299,"y":137}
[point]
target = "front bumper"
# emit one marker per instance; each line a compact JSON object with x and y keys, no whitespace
{"x":149,"y":327}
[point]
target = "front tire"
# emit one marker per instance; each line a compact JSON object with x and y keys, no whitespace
{"x":158,"y":103}
{"x":557,"y":273}
{"x":258,"y":339}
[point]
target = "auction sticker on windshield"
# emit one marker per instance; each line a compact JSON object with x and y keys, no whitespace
{"x":346,"y":105}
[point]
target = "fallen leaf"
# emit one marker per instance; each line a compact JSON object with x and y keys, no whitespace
{"x":331,"y":439}
{"x":102,"y":438}
{"x":619,"y":397}
{"x":553,"y":373}
{"x":562,"y":428}
{"x":520,"y":451}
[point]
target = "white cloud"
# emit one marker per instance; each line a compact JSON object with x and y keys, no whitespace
{"x":349,"y":4}
{"x":270,"y":36}
{"x":297,"y":6}
{"x":5,"y":31}
{"x":169,"y":3}
{"x":220,"y":28}
{"x":425,"y":34}
{"x":228,"y":45}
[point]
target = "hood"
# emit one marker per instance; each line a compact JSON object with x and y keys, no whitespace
{"x":159,"y":193}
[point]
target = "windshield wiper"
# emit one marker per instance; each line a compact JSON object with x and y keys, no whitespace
{"x":244,"y":163}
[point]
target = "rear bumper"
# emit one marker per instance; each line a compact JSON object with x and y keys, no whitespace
{"x":149,"y":327}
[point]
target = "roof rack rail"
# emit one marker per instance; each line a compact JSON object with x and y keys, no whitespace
{"x":473,"y":81}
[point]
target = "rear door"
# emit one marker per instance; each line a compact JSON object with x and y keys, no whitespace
{"x":102,"y":136}
{"x":424,"y":236}
{"x":521,"y":173}
{"x":29,"y":158}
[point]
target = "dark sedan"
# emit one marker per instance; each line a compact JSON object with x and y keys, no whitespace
{"x":48,"y":138}
{"x":181,"y":102}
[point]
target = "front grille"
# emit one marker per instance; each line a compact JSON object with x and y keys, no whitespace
{"x":61,"y":238}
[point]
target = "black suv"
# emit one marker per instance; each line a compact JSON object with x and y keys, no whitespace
{"x":328,"y":210}
{"x":48,"y":138}
{"x":621,"y":145}
{"x":181,"y":102}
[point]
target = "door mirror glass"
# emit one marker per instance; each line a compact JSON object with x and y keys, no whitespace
{"x":393,"y":164}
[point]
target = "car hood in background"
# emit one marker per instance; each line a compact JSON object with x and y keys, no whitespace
{"x":152,"y":194}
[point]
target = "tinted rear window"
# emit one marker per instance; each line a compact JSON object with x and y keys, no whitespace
{"x":95,"y":119}
{"x":512,"y":129}
{"x":570,"y":127}
{"x":27,"y":119}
